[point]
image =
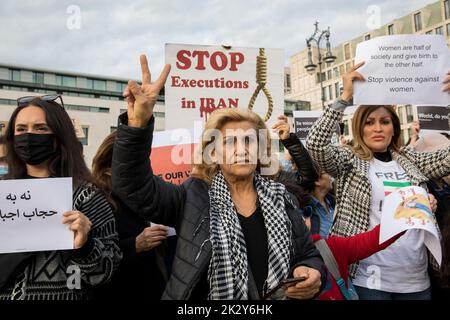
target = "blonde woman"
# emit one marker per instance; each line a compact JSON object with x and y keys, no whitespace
{"x":239,"y":233}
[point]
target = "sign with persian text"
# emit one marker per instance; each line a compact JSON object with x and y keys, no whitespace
{"x":31,"y":215}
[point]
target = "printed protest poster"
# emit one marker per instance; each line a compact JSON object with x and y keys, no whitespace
{"x":433,"y":118}
{"x":207,"y":78}
{"x":409,"y":208}
{"x":172,"y":153}
{"x":403,"y":69}
{"x":303,"y":122}
{"x":31,"y":215}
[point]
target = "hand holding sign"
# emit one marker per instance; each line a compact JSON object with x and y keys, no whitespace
{"x":447,"y":83}
{"x":348,"y":79}
{"x":142,"y":98}
{"x":151,"y":237}
{"x":411,"y":208}
{"x":31,"y":213}
{"x":80,"y":225}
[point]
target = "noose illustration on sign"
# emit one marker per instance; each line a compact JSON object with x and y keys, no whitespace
{"x":261,"y":80}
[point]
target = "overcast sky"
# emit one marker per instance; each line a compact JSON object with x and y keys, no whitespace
{"x":107,"y":36}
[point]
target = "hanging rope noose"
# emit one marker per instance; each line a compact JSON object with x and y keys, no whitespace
{"x":261,"y":80}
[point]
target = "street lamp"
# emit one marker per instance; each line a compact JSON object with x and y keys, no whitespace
{"x":317,"y":37}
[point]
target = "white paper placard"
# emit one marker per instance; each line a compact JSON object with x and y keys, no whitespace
{"x":31,"y":215}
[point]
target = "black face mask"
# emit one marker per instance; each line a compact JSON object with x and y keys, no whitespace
{"x":34,"y":148}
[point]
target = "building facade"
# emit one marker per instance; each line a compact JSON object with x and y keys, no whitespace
{"x":94,"y":102}
{"x":431,"y":19}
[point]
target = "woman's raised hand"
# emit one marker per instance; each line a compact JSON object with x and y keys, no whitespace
{"x":142,"y":98}
{"x":348,"y":79}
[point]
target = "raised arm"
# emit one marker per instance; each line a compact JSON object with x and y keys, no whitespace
{"x":132,"y":175}
{"x":434,"y":165}
{"x":331,"y":158}
{"x":306,"y":172}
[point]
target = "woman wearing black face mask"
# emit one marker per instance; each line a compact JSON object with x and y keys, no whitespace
{"x":41,"y":143}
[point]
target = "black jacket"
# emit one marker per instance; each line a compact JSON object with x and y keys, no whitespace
{"x":140,"y":276}
{"x":306,"y":174}
{"x":186,"y":207}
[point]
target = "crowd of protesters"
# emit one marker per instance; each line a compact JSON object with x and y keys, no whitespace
{"x":242,"y":230}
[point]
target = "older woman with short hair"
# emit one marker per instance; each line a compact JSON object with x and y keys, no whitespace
{"x":239,"y":233}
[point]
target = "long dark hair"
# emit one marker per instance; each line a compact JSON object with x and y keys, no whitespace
{"x":68,"y":159}
{"x":101,"y":167}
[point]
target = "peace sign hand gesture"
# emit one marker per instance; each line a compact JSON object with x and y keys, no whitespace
{"x":142,"y":98}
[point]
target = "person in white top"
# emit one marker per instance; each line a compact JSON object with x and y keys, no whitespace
{"x":365,"y":173}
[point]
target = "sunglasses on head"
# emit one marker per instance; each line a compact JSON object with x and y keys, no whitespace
{"x":24,"y":101}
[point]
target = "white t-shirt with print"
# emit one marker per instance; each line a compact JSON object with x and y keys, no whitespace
{"x":401,"y":267}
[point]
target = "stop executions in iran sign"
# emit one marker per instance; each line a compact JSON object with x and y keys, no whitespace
{"x":206,"y":78}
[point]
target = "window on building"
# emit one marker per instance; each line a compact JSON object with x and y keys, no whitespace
{"x":95,"y":84}
{"x":346,"y":132}
{"x":367,"y":37}
{"x":342,"y":69}
{"x":336,"y":72}
{"x":330,"y":92}
{"x":447,"y":9}
{"x":337,"y":91}
{"x":390,"y":29}
{"x":329,"y":75}
{"x":440,"y":30}
{"x":10,"y":102}
{"x":448,"y":29}
{"x":120,"y":86}
{"x":14,"y":75}
{"x":288,"y":80}
{"x":409,"y":114}
{"x":429,"y":32}
{"x":347,"y":51}
{"x":86,"y":108}
{"x":66,"y":81}
{"x":318,"y":77}
{"x":324,"y":94}
{"x":348,"y":66}
{"x":84,"y":141}
{"x":38,"y":77}
{"x":418,"y":21}
{"x":100,"y":85}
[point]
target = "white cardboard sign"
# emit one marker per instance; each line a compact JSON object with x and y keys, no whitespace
{"x":31,"y":215}
{"x":409,"y":208}
{"x":402,"y":69}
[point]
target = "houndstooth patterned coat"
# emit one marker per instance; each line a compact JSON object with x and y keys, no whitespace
{"x":353,"y":189}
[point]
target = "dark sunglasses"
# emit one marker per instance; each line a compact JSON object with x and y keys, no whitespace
{"x":24,"y":101}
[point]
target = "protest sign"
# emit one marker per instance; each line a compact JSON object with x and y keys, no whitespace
{"x":207,"y":78}
{"x":433,"y":118}
{"x":31,"y":215}
{"x":170,"y":231}
{"x":402,"y":69}
{"x":172,"y":153}
{"x":409,"y":208}
{"x":303,"y":122}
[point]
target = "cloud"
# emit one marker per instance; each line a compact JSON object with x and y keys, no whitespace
{"x":112,"y":34}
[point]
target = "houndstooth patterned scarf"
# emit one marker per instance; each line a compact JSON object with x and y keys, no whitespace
{"x":228,"y":268}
